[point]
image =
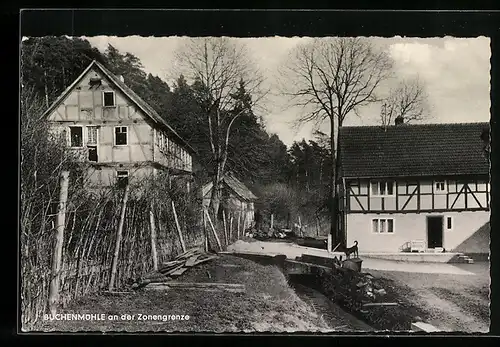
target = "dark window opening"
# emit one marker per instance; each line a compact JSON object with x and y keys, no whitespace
{"x":120,"y":136}
{"x":92,"y":153}
{"x":109,"y":99}
{"x":448,"y":223}
{"x":122,"y":178}
{"x":95,"y":82}
{"x":76,"y":136}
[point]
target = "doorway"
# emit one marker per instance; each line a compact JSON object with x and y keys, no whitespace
{"x":434,"y":231}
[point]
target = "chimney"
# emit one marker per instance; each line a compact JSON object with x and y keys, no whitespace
{"x":399,"y":120}
{"x":121,"y":78}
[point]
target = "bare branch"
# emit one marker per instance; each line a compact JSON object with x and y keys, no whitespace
{"x":408,"y":100}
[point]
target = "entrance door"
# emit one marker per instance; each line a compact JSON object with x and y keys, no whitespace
{"x":434,"y":232}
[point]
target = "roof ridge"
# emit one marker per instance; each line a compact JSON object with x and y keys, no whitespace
{"x":392,"y":126}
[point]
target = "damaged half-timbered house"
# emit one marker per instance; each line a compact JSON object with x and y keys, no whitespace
{"x":419,"y":187}
{"x":121,"y":136}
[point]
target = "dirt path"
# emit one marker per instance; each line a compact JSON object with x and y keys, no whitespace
{"x":453,"y":302}
{"x":454,"y":320}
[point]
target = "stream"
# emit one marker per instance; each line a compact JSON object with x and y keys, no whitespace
{"x":334,"y":316}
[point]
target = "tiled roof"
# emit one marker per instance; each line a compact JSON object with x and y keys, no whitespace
{"x":413,"y":150}
{"x":235,"y":185}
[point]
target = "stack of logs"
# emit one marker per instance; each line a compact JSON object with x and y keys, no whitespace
{"x":175,"y":268}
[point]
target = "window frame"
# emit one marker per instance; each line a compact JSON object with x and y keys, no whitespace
{"x":440,"y":191}
{"x":446,"y":219}
{"x":386,"y":182}
{"x":114,"y":135}
{"x":386,"y":219}
{"x":82,"y":136}
{"x":104,"y":98}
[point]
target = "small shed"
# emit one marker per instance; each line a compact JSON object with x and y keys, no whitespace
{"x":237,"y":200}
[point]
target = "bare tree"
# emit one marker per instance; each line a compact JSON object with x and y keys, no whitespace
{"x":407,"y":101}
{"x":220,"y":66}
{"x":332,"y":78}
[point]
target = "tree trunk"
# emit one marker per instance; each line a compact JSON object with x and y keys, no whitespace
{"x":340,"y":233}
{"x":46,"y":89}
{"x":333,"y":181}
{"x":215,"y":196}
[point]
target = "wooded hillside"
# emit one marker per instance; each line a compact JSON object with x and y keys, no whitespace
{"x":296,"y":177}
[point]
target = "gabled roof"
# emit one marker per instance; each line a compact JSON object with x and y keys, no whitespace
{"x":144,"y":106}
{"x":413,"y":150}
{"x":235,"y":185}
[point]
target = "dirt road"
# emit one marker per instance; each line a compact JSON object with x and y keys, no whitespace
{"x":453,"y":302}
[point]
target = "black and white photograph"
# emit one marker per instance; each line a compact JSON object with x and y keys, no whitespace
{"x":220,"y":184}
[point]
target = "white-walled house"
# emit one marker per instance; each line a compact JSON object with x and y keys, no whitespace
{"x":422,"y":184}
{"x":117,"y":132}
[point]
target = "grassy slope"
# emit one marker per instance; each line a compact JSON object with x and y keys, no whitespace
{"x":269,"y":304}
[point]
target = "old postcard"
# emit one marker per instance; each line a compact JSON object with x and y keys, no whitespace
{"x":274,"y":184}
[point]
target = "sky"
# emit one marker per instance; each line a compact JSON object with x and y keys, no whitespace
{"x":454,"y":71}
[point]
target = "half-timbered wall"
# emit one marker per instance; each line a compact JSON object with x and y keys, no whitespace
{"x":383,"y":215}
{"x":105,"y":127}
{"x":427,"y":195}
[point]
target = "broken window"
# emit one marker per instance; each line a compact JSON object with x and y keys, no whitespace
{"x":76,"y":136}
{"x":108,"y":99}
{"x":122,"y":178}
{"x":120,"y":136}
{"x":92,"y":143}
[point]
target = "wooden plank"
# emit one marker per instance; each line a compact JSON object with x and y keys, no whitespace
{"x":204,"y":260}
{"x":168,"y":272}
{"x":213,"y":230}
{"x":191,"y":261}
{"x":179,"y":232}
{"x":188,"y":253}
{"x":166,"y":286}
{"x":172,"y":263}
{"x":178,"y":272}
{"x":174,"y":284}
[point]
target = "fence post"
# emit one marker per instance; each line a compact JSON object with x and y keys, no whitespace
{"x":57,"y":258}
{"x":239,"y":220}
{"x":272,"y":221}
{"x":179,"y":231}
{"x":118,"y":239}
{"x":225,"y":226}
{"x":153,"y":238}
{"x":230,"y":227}
{"x":205,"y":234}
{"x":213,"y":230}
